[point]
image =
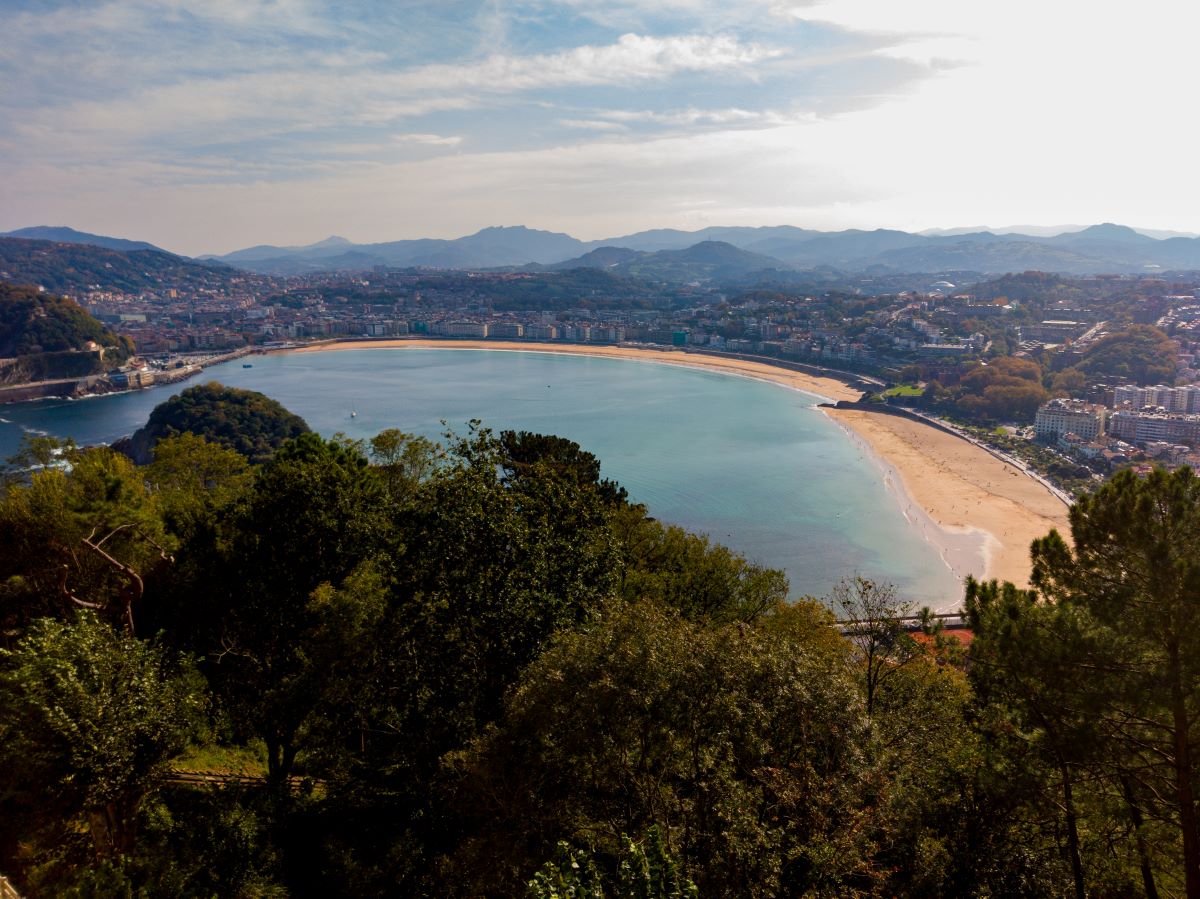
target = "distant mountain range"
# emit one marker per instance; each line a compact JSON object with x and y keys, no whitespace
{"x":1100,"y":248}
{"x":725,"y":253}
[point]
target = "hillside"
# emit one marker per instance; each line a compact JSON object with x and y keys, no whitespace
{"x":710,"y":260}
{"x":241,"y":420}
{"x":32,"y":322}
{"x":44,"y":337}
{"x":73,"y":268}
{"x":63,"y":234}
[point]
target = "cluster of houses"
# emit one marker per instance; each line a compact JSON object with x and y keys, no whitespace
{"x":1162,"y":423}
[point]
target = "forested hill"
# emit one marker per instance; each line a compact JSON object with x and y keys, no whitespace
{"x":245,"y":421}
{"x":33,"y":323}
{"x":73,"y":268}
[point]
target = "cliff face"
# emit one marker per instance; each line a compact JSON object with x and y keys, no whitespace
{"x":51,"y":366}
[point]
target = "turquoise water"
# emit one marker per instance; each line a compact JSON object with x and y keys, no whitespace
{"x":754,"y":465}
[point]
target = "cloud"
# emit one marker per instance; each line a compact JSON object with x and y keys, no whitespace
{"x":433,"y":140}
{"x":593,"y":117}
{"x":591,"y":125}
{"x":631,"y":58}
{"x":733,"y":117}
{"x":343,"y":93}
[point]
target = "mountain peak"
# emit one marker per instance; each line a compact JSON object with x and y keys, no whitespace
{"x":332,"y":241}
{"x":1109,"y":231}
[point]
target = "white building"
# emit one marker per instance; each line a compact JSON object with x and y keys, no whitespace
{"x":1170,"y":399}
{"x":1144,"y":427}
{"x":1059,"y":417}
{"x":464,"y":329}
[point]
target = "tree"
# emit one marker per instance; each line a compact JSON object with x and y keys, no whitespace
{"x":1133,"y":578}
{"x":1089,"y":686}
{"x":406,"y":460}
{"x":492,"y":566}
{"x":32,"y":323}
{"x":523,"y":453}
{"x":572,"y":875}
{"x":192,"y":478}
{"x":1004,"y":388}
{"x":744,"y":748}
{"x":875,"y":627}
{"x":316,"y":515}
{"x":1024,"y":667}
{"x":701,"y":580}
{"x":86,"y":537}
{"x":1068,"y":382}
{"x":90,"y":718}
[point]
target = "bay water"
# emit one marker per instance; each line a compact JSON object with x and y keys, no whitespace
{"x":754,"y":465}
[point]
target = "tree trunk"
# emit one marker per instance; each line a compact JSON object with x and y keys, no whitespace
{"x":1135,"y":815}
{"x":281,"y":757}
{"x":1185,"y":798}
{"x":114,"y":827}
{"x":1072,"y":831}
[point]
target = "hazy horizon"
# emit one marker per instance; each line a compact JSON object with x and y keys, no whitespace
{"x":208,"y":128}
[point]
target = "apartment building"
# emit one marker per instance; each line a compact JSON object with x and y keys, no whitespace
{"x":1059,"y":417}
{"x":1144,"y":427}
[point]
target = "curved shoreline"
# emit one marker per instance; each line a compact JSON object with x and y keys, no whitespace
{"x":825,"y":388}
{"x":979,"y":512}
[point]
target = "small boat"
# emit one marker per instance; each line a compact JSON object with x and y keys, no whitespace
{"x":353,"y":414}
{"x":247,"y":365}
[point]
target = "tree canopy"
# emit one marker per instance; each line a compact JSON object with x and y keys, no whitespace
{"x":246,"y":421}
{"x":1141,"y":353}
{"x":1004,"y":388}
{"x":33,"y":322}
{"x":393,"y":667}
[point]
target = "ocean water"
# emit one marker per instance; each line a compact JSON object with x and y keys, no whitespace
{"x":754,"y":465}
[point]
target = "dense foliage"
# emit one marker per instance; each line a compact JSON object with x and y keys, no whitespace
{"x":479,"y":670}
{"x":75,"y":267}
{"x":242,"y":420}
{"x":33,"y":322}
{"x":1141,"y":354}
{"x":1004,"y":389}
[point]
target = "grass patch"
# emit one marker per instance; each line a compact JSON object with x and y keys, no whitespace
{"x":249,"y":761}
{"x":904,"y":390}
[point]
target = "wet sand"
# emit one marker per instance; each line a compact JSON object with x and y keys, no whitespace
{"x":964,"y":489}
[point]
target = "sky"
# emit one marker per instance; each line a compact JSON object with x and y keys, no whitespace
{"x":209,"y":125}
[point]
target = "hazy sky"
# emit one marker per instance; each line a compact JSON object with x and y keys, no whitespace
{"x":208,"y":125}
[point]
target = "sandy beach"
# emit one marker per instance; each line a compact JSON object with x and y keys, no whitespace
{"x":963,"y":489}
{"x":980,"y":512}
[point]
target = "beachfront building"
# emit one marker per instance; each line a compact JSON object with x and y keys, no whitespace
{"x":464,"y":329}
{"x":1059,"y":417}
{"x":1144,"y":427}
{"x":1169,"y":399}
{"x":506,"y":329}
